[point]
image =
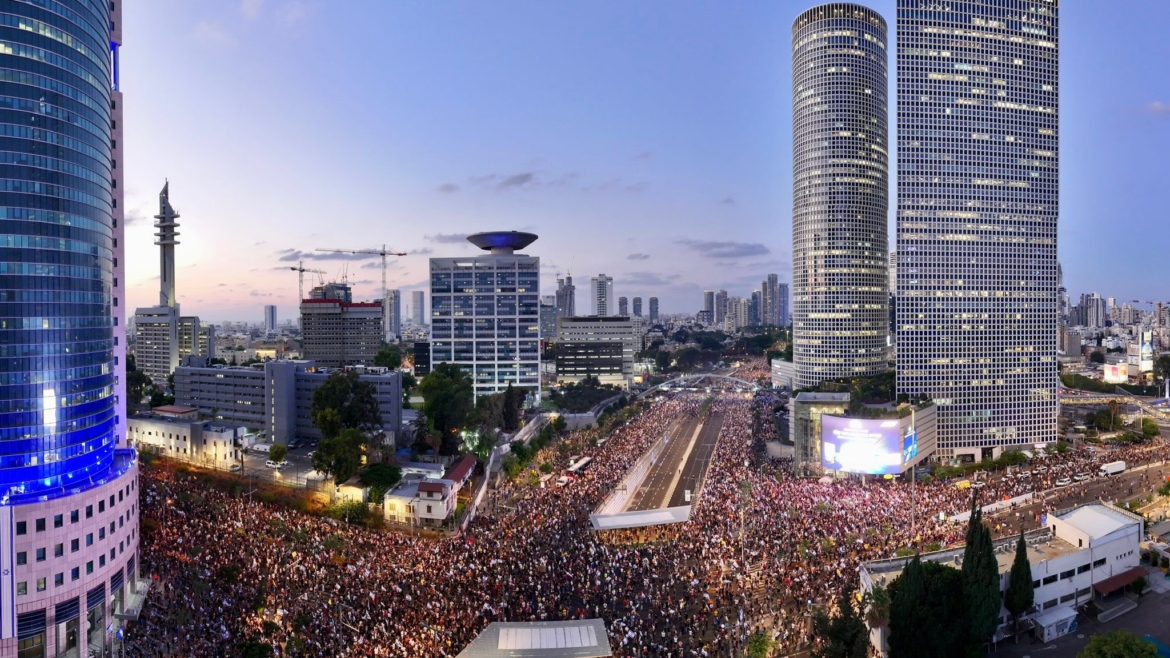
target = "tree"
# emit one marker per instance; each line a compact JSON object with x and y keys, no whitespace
{"x":759,"y":645}
{"x":843,"y":635}
{"x":1021,"y":594}
{"x":559,"y":424}
{"x":277,"y":452}
{"x":159,"y":398}
{"x":513,"y":400}
{"x":389,"y":356}
{"x":1097,"y":357}
{"x":380,"y":478}
{"x":447,"y":402}
{"x":1114,"y":407}
{"x":877,"y":606}
{"x":1162,"y":367}
{"x":980,"y":582}
{"x":480,"y":443}
{"x":1118,"y":644}
{"x":329,"y":422}
{"x":927,"y":614}
{"x":339,"y":456}
{"x":354,"y":400}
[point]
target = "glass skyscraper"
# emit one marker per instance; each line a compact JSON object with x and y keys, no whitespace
{"x":62,"y":475}
{"x":978,"y":191}
{"x":840,"y":199}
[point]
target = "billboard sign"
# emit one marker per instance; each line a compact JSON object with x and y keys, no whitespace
{"x":867,"y":446}
{"x":1146,"y":360}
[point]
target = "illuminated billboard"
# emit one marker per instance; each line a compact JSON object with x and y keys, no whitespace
{"x":1146,"y":360}
{"x":858,"y":445}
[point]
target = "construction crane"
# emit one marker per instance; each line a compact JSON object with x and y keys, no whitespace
{"x":372,"y":252}
{"x":300,"y":269}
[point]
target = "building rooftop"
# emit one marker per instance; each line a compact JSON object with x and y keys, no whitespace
{"x":1096,"y":521}
{"x":173,"y":409}
{"x":812,"y":396}
{"x":462,"y":470}
{"x":502,"y":242}
{"x":582,"y":638}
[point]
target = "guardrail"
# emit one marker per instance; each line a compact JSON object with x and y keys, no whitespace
{"x":618,"y":497}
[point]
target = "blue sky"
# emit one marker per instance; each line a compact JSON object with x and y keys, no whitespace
{"x":650,"y":141}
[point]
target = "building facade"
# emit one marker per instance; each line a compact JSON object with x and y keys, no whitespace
{"x":602,"y":347}
{"x":637,"y":307}
{"x":601,"y":291}
{"x":393,"y":315}
{"x":977,"y":220}
{"x":840,"y":318}
{"x":548,"y":317}
{"x":566,"y":297}
{"x":623,"y":306}
{"x":418,"y":307}
{"x":68,"y":492}
{"x":336,"y":333}
{"x":485,"y":313}
{"x":654,"y":309}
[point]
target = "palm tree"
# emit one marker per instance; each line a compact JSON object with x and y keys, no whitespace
{"x":877,"y":606}
{"x":1114,"y":407}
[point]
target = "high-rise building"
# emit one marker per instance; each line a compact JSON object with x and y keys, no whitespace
{"x":840,"y":318}
{"x":755,"y":308}
{"x":654,"y":309}
{"x":783,"y":309}
{"x":769,"y":302}
{"x":336,"y":331}
{"x":393,"y":315}
{"x":637,"y":307}
{"x":977,"y":219}
{"x":156,"y":339}
{"x":548,"y":317}
{"x":601,"y":290}
{"x":735,"y":316}
{"x":61,"y":408}
{"x":720,"y":307}
{"x":418,"y":307}
{"x":623,"y":307}
{"x":270,"y":319}
{"x":195,"y":338}
{"x":709,"y":302}
{"x":601,"y":347}
{"x":893,"y":272}
{"x":486,"y":313}
{"x":566,"y":297}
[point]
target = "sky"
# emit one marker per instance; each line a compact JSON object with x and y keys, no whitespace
{"x":648,"y":141}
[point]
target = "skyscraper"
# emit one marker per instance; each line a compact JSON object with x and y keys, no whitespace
{"x":270,"y":319}
{"x":60,"y":409}
{"x":336,"y":331}
{"x":709,"y":303}
{"x":720,"y":307}
{"x":418,"y":307}
{"x":654,"y":309}
{"x":486,"y":313}
{"x":840,"y":197}
{"x":393,"y":314}
{"x":768,"y":309}
{"x":566,"y":297}
{"x":977,"y":214}
{"x":637,"y":307}
{"x":755,"y":308}
{"x":601,"y":290}
{"x":783,"y":309}
{"x":623,"y":306}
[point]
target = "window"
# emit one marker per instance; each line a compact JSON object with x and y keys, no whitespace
{"x":89,"y":511}
{"x":101,"y":561}
{"x":40,"y":555}
{"x":101,"y":506}
{"x":1050,"y":579}
{"x":74,"y":516}
{"x":22,"y":527}
{"x":1065,"y":575}
{"x":1035,"y":584}
{"x":1099,"y":563}
{"x":22,"y":588}
{"x":75,"y":573}
{"x":111,"y":501}
{"x":1083,"y":592}
{"x":59,"y":579}
{"x":22,"y":557}
{"x":40,"y":525}
{"x":74,"y":545}
{"x":1083,"y":568}
{"x":1067,"y":597}
{"x":89,"y":539}
{"x":89,"y":567}
{"x":58,"y":550}
{"x":41,"y":584}
{"x":101,"y":533}
{"x":1050,"y":604}
{"x":58,"y":520}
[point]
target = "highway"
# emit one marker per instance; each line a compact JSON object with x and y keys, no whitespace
{"x":697,"y":462}
{"x":654,"y":489}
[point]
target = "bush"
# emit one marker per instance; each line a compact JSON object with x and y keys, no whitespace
{"x":351,"y":511}
{"x":1139,"y":585}
{"x":546,"y":468}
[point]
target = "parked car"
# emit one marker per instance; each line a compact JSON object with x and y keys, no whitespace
{"x":236,"y":468}
{"x":271,"y":464}
{"x":1081,"y":477}
{"x":1041,"y":469}
{"x":1063,"y":482}
{"x":978,"y":485}
{"x":562,"y":480}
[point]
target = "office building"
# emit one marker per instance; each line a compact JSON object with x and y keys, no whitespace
{"x":277,"y":396}
{"x":393,"y":315}
{"x":336,"y":331}
{"x":566,"y":297}
{"x":422,"y":358}
{"x":736,"y":315}
{"x":548,"y":317}
{"x":623,"y":307}
{"x":418,"y":307}
{"x":637,"y":307}
{"x":769,"y":302}
{"x":978,"y":200}
{"x":893,"y":273}
{"x":601,"y":291}
{"x":602,"y":347}
{"x":64,"y":475}
{"x":486,"y":313}
{"x":654,"y":309}
{"x":195,"y":338}
{"x":270,"y":319}
{"x":709,"y":303}
{"x":210,"y":443}
{"x":840,"y":318}
{"x":755,"y":306}
{"x":720,"y":307}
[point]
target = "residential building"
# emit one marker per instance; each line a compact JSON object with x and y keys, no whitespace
{"x":65,"y":473}
{"x":602,"y":347}
{"x":277,"y":396}
{"x":623,"y":306}
{"x":393,"y":315}
{"x":195,"y":338}
{"x":783,"y":308}
{"x":770,"y":303}
{"x":421,"y":502}
{"x":709,"y":302}
{"x":548,"y":317}
{"x":1080,"y":555}
{"x":1071,"y":343}
{"x":601,"y":291}
{"x":840,"y":318}
{"x":418,"y":307}
{"x":486,"y":313}
{"x":720,"y":307}
{"x":336,"y":331}
{"x":736,"y":315}
{"x":978,"y":163}
{"x":755,"y":307}
{"x":637,"y":307}
{"x":270,"y":319}
{"x":654,"y":309}
{"x":566,"y":297}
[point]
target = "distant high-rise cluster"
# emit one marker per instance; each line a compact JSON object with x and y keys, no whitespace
{"x":773,"y":302}
{"x":840,"y":193}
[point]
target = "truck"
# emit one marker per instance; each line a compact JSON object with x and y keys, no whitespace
{"x":1112,"y":468}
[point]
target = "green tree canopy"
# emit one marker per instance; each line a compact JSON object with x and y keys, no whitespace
{"x":380,"y":478}
{"x":339,"y":456}
{"x":842,"y":635}
{"x":927,"y":615}
{"x":1118,"y":644}
{"x":447,"y":402}
{"x":1020,"y":595}
{"x":354,"y":400}
{"x":389,"y":356}
{"x":980,"y":583}
{"x":277,"y":452}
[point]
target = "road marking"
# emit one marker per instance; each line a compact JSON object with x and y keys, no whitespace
{"x":682,"y":464}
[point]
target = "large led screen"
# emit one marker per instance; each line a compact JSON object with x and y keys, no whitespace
{"x":857,"y":445}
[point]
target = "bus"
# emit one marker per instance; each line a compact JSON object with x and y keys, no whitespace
{"x":579,"y":467}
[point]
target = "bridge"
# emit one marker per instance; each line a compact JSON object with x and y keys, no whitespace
{"x":692,"y":381}
{"x":1077,"y":398}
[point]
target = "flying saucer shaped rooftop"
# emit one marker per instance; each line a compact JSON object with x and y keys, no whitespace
{"x":502,"y":241}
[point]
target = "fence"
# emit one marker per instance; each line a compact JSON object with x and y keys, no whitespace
{"x":623,"y":491}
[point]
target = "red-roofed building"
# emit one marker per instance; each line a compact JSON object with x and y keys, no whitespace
{"x":461,"y":472}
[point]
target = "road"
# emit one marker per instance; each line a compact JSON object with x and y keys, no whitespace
{"x":299,"y":471}
{"x":698,"y":460}
{"x":656,"y":487}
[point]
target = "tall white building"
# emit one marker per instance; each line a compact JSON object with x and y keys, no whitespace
{"x":270,"y":319}
{"x":840,"y":316}
{"x":393,"y":315}
{"x":418,"y":307}
{"x":486,"y":313}
{"x":978,"y":195}
{"x":601,"y":291}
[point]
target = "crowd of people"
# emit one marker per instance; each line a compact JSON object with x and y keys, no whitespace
{"x":762,"y":547}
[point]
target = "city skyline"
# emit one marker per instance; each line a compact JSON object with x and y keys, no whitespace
{"x":672,"y":224}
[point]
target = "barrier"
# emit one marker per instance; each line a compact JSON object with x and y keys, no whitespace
{"x":994,"y":507}
{"x":620,"y":495}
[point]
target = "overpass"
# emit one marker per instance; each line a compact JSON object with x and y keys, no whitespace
{"x":692,"y":381}
{"x":1078,"y":398}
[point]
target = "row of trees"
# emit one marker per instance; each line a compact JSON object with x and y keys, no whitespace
{"x":450,"y":410}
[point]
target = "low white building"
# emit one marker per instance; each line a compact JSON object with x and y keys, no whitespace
{"x":783,"y":373}
{"x":1089,"y":552}
{"x":426,"y":502}
{"x":216,"y":444}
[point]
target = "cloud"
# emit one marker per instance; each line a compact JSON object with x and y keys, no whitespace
{"x":712,"y":249}
{"x":421,"y":252}
{"x":291,"y":255}
{"x":1158,"y":107}
{"x":211,"y":33}
{"x":647,"y":279}
{"x":516,"y":180}
{"x":447,"y":238}
{"x":257,"y":293}
{"x":251,"y":8}
{"x":294,"y":13}
{"x":616,"y":185}
{"x":257,"y":244}
{"x":638,"y":256}
{"x":727,"y":201}
{"x":222,"y":285}
{"x":136,"y":216}
{"x":644,"y":155}
{"x":448,"y":188}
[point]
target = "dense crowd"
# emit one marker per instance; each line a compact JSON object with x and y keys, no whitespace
{"x":230,"y":570}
